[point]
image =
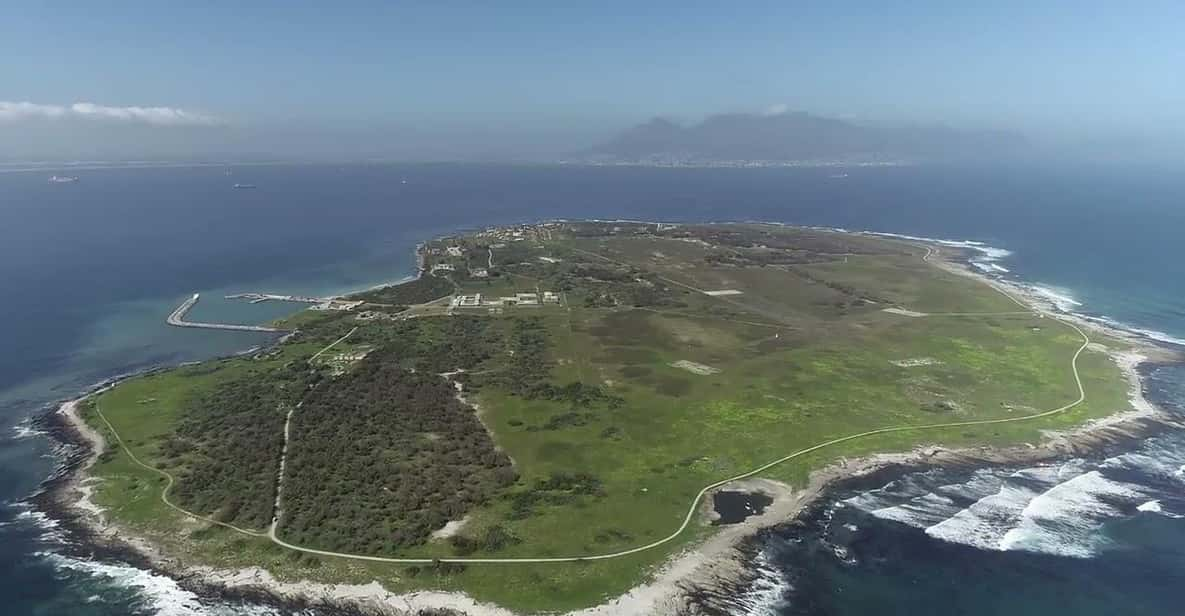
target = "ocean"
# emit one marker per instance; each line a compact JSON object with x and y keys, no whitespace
{"x":89,"y":271}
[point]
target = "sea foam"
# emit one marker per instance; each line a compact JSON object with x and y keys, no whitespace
{"x":765,"y":595}
{"x":1060,"y":298}
{"x":160,"y":593}
{"x":25,"y":430}
{"x":1054,"y":509}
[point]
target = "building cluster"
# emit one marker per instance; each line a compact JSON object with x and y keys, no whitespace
{"x":374,"y":315}
{"x":520,"y":233}
{"x":338,"y":304}
{"x":478,"y":300}
{"x":340,"y":362}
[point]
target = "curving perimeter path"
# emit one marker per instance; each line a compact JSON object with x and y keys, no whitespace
{"x":692,"y":508}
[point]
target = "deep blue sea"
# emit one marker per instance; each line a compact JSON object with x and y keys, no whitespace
{"x":90,"y":270}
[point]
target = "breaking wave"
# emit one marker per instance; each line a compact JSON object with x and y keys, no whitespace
{"x":1060,"y":509}
{"x":986,"y":259}
{"x":138,"y":591}
{"x":1065,"y":520}
{"x":48,"y":531}
{"x":1060,"y":298}
{"x":155,"y":594}
{"x":1150,"y":334}
{"x":25,"y":430}
{"x":125,"y":588}
{"x":766,"y":594}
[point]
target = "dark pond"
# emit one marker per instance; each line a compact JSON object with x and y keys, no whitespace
{"x":733,"y":506}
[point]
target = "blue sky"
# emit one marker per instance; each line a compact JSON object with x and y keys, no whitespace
{"x":548,"y":72}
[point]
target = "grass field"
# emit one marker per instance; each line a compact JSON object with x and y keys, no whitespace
{"x":804,"y":353}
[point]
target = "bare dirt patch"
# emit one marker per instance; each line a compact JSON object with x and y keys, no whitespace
{"x":452,"y":527}
{"x":695,"y":368}
{"x":915,"y":362}
{"x":905,"y":313}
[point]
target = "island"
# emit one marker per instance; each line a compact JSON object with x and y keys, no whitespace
{"x":581,"y":415}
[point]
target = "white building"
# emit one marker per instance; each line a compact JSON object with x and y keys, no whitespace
{"x":467,"y":301}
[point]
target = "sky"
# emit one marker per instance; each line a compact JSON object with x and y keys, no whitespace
{"x":443,"y":79}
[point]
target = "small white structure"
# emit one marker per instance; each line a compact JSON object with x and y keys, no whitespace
{"x":479,"y":272}
{"x":551,"y":297}
{"x":338,"y":304}
{"x":455,"y":251}
{"x":549,"y":259}
{"x":467,"y":301}
{"x":443,"y":267}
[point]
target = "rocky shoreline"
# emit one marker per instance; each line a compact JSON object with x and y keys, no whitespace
{"x":66,"y":499}
{"x":735,"y":575}
{"x":699,"y":580}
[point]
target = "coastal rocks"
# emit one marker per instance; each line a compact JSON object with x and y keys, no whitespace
{"x":718,"y":588}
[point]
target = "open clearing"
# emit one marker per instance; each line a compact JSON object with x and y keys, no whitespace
{"x":905,"y":313}
{"x":619,"y":404}
{"x":696,"y":368}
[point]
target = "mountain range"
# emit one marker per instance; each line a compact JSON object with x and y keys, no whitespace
{"x":797,"y":137}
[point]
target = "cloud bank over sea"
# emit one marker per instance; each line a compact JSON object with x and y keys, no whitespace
{"x":17,"y":111}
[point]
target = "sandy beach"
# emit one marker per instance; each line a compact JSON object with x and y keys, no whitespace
{"x":680,"y":584}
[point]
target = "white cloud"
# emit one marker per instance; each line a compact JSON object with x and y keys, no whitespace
{"x":777,"y":109}
{"x":157,"y":116}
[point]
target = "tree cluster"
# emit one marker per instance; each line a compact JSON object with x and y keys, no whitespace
{"x":226,"y":449}
{"x":382,"y":456}
{"x":558,"y":489}
{"x":528,"y":364}
{"x":421,"y":290}
{"x":848,"y":290}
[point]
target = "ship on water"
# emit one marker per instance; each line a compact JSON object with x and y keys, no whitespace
{"x":63,"y":179}
{"x":243,"y":186}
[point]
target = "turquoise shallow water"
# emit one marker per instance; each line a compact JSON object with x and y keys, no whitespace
{"x":90,"y":270}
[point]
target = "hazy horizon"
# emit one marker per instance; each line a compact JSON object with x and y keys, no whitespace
{"x":535,"y":81}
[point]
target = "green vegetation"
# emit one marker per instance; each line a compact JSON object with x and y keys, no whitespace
{"x":421,"y":290}
{"x":601,"y":417}
{"x":381,"y":456}
{"x":226,"y":447}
